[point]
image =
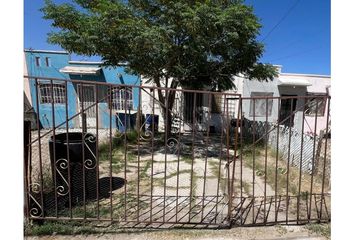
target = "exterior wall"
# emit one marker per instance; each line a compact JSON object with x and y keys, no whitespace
{"x":319,"y":86}
{"x":147,"y":104}
{"x":26,"y":86}
{"x":257,"y":86}
{"x":60,"y":60}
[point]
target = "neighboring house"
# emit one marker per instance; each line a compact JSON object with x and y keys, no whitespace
{"x":287,"y":85}
{"x":57,"y":64}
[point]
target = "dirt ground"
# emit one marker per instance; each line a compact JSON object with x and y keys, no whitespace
{"x":272,"y":232}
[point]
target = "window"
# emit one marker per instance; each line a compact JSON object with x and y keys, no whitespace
{"x":261,"y":104}
{"x":122,"y":97}
{"x":47,"y":62}
{"x":311,"y":105}
{"x":38,"y":61}
{"x":45,"y":91}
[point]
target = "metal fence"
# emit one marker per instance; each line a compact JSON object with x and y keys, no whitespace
{"x":166,"y":157}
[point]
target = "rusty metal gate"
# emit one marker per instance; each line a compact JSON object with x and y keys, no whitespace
{"x":175,"y":157}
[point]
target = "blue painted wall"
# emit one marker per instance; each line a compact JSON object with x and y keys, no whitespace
{"x":60,"y":60}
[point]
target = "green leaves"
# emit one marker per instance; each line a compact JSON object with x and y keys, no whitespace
{"x":198,"y":43}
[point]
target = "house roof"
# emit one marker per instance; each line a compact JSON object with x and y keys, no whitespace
{"x":78,"y":70}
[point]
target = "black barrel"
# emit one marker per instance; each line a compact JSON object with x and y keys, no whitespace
{"x":78,"y":165}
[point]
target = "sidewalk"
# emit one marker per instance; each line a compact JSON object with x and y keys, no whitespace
{"x":264,"y":233}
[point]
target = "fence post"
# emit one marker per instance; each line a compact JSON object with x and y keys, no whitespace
{"x":318,"y":152}
{"x":26,"y":141}
{"x":84,"y":123}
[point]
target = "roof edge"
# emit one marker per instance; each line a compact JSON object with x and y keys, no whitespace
{"x":305,"y":75}
{"x":85,"y":62}
{"x":45,"y":51}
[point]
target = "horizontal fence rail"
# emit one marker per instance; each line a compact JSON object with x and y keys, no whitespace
{"x":150,"y":156}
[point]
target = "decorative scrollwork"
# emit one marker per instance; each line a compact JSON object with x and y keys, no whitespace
{"x":172,"y":144}
{"x":36,"y":210}
{"x":62,"y":164}
{"x":89,"y":164}
{"x":89,"y":137}
{"x":35,"y":187}
{"x":146,"y":135}
{"x":145,"y":129}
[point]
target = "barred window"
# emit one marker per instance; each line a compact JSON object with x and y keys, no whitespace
{"x":122,"y":97}
{"x":311,"y":105}
{"x":45,"y":91}
{"x":260,"y":104}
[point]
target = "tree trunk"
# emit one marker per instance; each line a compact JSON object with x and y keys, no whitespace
{"x":166,"y":103}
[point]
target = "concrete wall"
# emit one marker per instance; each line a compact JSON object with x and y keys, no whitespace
{"x":319,"y":85}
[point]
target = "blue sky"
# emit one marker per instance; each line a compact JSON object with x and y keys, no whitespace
{"x":299,"y":39}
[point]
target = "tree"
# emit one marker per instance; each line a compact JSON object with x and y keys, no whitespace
{"x":192,"y":44}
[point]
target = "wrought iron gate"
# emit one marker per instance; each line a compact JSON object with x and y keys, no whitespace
{"x":164,"y":159}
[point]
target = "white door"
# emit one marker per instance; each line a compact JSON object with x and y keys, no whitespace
{"x":88,"y":101}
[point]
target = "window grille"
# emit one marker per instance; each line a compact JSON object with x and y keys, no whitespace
{"x":122,"y":97}
{"x":261,"y":104}
{"x":311,"y":106}
{"x":45,"y":90}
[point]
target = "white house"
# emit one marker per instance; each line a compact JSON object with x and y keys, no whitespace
{"x":287,"y":84}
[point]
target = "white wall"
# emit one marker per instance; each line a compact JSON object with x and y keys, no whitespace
{"x":318,"y":83}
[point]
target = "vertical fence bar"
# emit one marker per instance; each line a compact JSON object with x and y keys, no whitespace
{"x":83,"y":147}
{"x":235,"y":155}
{"x":54,"y":153}
{"x":288,"y":163}
{"x":207,"y":152}
{"x":241,"y":145}
{"x":276,"y":163}
{"x":39,"y":148}
{"x":167,"y":129}
{"x":97,"y":156}
{"x":67,"y":146}
{"x":29,"y":169}
{"x":110,"y":150}
{"x":253,"y":156}
{"x":152,"y":150}
{"x":139,"y":135}
{"x":325,"y":155}
{"x":26,"y":164}
{"x":229,"y":210}
{"x":178,"y":159}
{"x":220,"y":158}
{"x":313,"y":159}
{"x":265,"y":164}
{"x":191,"y":184}
{"x":301,"y":151}
{"x":125,"y":156}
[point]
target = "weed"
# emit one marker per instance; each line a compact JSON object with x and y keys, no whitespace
{"x":322,"y":229}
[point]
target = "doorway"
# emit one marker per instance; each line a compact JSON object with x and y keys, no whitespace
{"x":287,"y":108}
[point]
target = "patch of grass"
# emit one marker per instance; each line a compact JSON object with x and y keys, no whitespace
{"x":283,"y":173}
{"x":60,"y":227}
{"x":281,"y":230}
{"x":321,"y":229}
{"x":187,"y":159}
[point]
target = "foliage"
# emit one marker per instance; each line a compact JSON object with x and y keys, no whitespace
{"x":196,"y":43}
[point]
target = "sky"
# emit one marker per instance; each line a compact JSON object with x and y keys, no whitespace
{"x":296,"y":33}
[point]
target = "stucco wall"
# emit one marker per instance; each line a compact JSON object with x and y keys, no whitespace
{"x":60,"y":60}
